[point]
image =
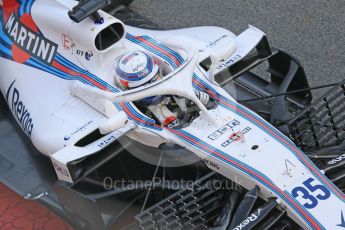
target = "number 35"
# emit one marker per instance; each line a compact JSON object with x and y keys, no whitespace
{"x":305,"y":193}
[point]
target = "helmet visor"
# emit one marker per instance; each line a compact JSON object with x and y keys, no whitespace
{"x":157,"y":77}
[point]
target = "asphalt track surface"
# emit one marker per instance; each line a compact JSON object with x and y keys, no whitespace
{"x":311,"y":30}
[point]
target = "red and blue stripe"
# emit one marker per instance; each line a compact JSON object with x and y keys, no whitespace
{"x":173,"y":58}
{"x":65,"y":69}
{"x":270,"y":130}
{"x":245,"y":113}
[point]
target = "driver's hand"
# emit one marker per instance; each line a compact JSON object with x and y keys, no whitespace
{"x":203,"y":97}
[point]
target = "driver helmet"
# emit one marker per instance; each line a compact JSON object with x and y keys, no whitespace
{"x":136,"y":68}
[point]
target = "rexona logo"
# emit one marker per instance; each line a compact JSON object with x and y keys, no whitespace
{"x":236,"y":136}
{"x":247,"y":221}
{"x":19,"y":109}
{"x":24,"y":33}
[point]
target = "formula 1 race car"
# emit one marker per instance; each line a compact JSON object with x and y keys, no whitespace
{"x":260,"y":131}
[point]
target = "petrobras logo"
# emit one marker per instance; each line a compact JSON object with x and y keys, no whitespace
{"x":236,"y":136}
{"x":336,"y":160}
{"x":247,"y":221}
{"x":28,"y":41}
{"x":19,"y":109}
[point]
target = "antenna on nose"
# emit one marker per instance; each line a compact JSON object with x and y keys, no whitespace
{"x":88,"y":8}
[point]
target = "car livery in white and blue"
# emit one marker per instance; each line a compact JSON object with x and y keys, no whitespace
{"x":52,"y":92}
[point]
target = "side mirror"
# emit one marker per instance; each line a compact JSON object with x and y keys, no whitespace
{"x":117,"y":121}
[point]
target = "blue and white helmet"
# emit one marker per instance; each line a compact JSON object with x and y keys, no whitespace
{"x":135,"y":69}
